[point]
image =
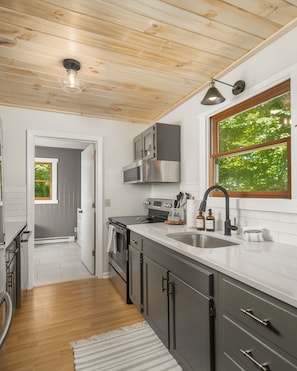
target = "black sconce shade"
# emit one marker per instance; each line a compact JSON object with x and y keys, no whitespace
{"x":213,"y":96}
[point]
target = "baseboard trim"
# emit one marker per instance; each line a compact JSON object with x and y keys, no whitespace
{"x":41,"y":241}
{"x":106,"y":275}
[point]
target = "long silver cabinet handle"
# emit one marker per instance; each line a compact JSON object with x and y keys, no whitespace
{"x":249,"y":313}
{"x":8,"y":320}
{"x":248,"y":354}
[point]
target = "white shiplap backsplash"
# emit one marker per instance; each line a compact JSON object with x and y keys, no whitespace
{"x":277,"y":226}
{"x":15,"y":199}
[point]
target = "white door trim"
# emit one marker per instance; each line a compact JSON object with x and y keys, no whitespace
{"x":98,"y":143}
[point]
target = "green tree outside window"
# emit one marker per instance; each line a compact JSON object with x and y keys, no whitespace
{"x":43,"y":181}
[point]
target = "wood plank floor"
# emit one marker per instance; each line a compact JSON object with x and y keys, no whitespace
{"x":54,"y":315}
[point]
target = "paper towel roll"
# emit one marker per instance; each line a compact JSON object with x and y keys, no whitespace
{"x":192,"y":210}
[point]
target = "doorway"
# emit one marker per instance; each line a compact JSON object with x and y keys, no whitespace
{"x":47,"y":139}
{"x":58,"y":262}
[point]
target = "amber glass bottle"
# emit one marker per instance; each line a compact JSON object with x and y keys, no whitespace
{"x":200,"y":222}
{"x":210,"y":222}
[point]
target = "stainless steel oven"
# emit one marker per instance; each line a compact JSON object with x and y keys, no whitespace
{"x":118,"y":257}
{"x":119,"y":238}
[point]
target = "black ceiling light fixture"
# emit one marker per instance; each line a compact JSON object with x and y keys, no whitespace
{"x":71,"y":83}
{"x":213,"y":96}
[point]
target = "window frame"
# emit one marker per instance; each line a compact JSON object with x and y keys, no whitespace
{"x":54,"y":180}
{"x":269,"y":94}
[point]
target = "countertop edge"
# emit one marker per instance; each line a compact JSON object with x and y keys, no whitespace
{"x":11,"y":230}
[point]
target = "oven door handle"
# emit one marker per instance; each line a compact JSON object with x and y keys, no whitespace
{"x":118,"y":229}
{"x":122,"y":232}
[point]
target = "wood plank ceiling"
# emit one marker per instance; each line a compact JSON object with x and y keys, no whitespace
{"x":139,"y":58}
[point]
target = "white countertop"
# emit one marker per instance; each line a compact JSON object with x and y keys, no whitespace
{"x":11,"y":230}
{"x":267,"y":266}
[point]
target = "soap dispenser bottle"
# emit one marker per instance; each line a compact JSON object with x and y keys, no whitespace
{"x":210,"y":222}
{"x":200,"y":222}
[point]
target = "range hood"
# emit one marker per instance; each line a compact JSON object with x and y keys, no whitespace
{"x":152,"y":171}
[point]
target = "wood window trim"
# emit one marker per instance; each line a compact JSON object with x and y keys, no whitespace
{"x":271,"y":93}
{"x":54,"y":181}
{"x":50,"y":181}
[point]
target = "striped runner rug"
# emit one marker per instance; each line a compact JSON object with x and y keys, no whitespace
{"x":131,"y":348}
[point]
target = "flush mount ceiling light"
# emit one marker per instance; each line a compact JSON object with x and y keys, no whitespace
{"x":71,"y":83}
{"x":213,"y":96}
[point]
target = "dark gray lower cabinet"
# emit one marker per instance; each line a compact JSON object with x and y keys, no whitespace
{"x":178,"y":305}
{"x":135,"y":277}
{"x":254,"y":331}
{"x":191,"y":326}
{"x":257,"y":332}
{"x":155,"y":299}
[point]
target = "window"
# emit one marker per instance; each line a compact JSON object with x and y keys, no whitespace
{"x":45,"y":173}
{"x":250,"y":149}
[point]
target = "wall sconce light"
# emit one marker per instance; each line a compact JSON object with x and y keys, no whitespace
{"x":213,"y":96}
{"x":70,"y":83}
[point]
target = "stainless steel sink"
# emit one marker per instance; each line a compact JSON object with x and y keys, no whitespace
{"x":200,"y":240}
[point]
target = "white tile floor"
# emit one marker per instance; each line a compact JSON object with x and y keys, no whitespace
{"x":58,"y":262}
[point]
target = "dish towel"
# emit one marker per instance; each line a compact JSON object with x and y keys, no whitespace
{"x":111,"y":239}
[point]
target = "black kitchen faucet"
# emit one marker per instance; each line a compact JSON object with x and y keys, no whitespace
{"x":227,"y":225}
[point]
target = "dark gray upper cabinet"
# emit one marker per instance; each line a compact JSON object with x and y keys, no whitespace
{"x":158,"y":142}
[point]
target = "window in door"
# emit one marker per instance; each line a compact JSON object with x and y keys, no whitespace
{"x":250,"y":149}
{"x":45,"y":172}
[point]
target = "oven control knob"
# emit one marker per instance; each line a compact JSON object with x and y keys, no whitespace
{"x":147,"y":203}
{"x":168,"y":206}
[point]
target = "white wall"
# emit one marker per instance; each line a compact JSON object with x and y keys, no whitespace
{"x":117,"y":140}
{"x":117,"y":150}
{"x":271,"y":65}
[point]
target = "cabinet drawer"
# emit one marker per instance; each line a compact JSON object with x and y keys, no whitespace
{"x":271,"y":318}
{"x":136,"y":240}
{"x":249,"y":352}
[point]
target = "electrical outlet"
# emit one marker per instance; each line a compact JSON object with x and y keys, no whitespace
{"x":107,"y":202}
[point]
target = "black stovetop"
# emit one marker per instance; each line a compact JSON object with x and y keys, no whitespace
{"x":158,"y":209}
{"x":128,"y":220}
{"x":152,"y":217}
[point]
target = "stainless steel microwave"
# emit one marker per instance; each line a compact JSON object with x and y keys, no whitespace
{"x":152,"y":171}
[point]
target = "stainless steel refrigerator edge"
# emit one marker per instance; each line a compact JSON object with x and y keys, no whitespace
{"x":5,"y":301}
